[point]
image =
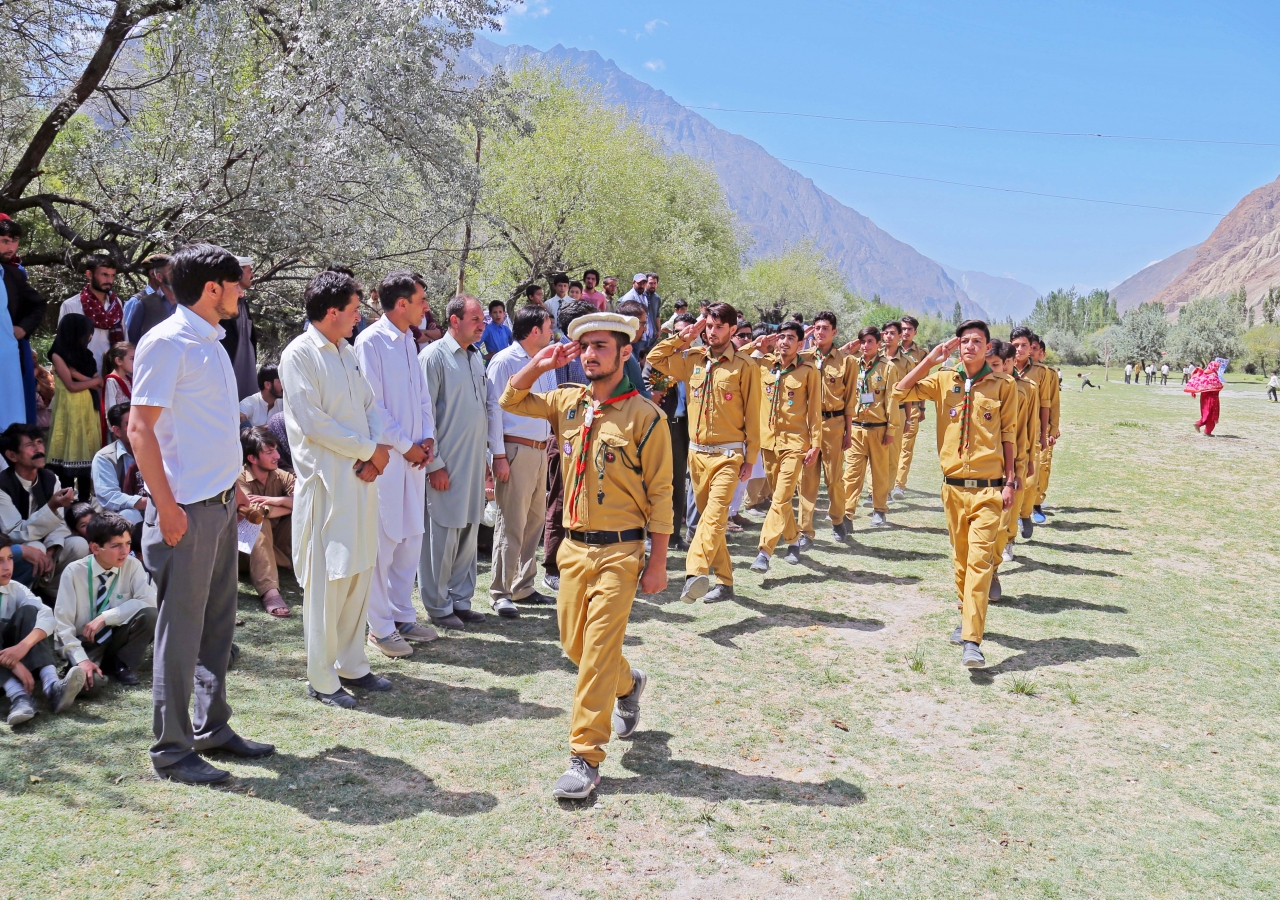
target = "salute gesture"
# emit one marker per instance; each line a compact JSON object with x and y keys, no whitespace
{"x":689,"y":333}
{"x":939,"y":354}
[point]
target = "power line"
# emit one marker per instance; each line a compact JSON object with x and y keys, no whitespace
{"x":1004,"y":190}
{"x":1084,"y":134}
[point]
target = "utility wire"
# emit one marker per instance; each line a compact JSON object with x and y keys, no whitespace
{"x":1085,"y":134}
{"x":1004,"y":190}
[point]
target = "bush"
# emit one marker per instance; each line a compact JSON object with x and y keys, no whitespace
{"x":1250,"y":369}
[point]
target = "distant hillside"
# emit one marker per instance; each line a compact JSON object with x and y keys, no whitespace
{"x":1244,"y":250}
{"x":777,"y":206}
{"x":1002,"y":298}
{"x":1142,"y":287}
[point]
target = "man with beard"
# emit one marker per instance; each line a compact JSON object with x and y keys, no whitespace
{"x":98,"y":302}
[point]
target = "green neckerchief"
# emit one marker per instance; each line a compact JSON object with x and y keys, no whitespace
{"x":777,"y":387}
{"x":966,"y":407}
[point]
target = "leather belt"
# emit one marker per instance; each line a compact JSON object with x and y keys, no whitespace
{"x":833,"y":414}
{"x":719,"y":449}
{"x":217,"y":499}
{"x":607,"y":537}
{"x":525,"y":442}
{"x":870,"y":424}
{"x":975,"y":482}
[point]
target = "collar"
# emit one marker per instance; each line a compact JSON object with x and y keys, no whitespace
{"x":964,"y":376}
{"x":451,"y":342}
{"x":317,"y":340}
{"x":384,"y":326}
{"x":624,"y":386}
{"x":7,"y":588}
{"x":202,"y":328}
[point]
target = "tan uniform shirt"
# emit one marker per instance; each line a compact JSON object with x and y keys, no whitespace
{"x":790,"y":408}
{"x":1028,"y":417}
{"x":1047,"y":382}
{"x":627,"y":479}
{"x":992,"y":421}
{"x":723,"y":396}
{"x":1055,"y":405}
{"x":873,"y":395}
{"x":839,"y":373}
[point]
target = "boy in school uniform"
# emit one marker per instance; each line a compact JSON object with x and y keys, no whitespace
{"x":1000,"y":356}
{"x":876,"y":422}
{"x":838,"y":373}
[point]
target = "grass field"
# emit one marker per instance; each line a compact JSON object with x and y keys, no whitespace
{"x":818,"y":738}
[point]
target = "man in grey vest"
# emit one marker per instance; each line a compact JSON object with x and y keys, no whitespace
{"x":151,"y":305}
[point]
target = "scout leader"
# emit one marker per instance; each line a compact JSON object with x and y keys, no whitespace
{"x":875,"y":422}
{"x":790,"y":434}
{"x":724,"y":436}
{"x":1038,"y":349}
{"x":615,"y":456}
{"x":976,"y":413}
{"x":838,"y":373}
{"x":1000,"y":356}
{"x":913,"y":413}
{"x":1025,"y":366}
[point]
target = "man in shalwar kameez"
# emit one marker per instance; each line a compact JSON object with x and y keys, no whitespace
{"x":334,"y":433}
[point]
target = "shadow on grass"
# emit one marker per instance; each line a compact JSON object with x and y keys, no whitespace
{"x":1049,"y":652}
{"x":919,"y":529}
{"x":1051,"y":605}
{"x":853,"y":547}
{"x":1026,"y":564}
{"x":355,"y":787}
{"x":1085,"y":548}
{"x":649,"y":757}
{"x":420,"y":698}
{"x":820,"y":573}
{"x":781,"y":615}
{"x":1081,"y":526}
{"x":527,"y":652}
{"x":1051,"y":511}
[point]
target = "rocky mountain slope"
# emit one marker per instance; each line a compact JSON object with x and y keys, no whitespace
{"x":1145,"y":285}
{"x":777,"y":206}
{"x":1002,"y":298}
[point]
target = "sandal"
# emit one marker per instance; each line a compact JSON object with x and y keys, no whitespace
{"x":274,"y":604}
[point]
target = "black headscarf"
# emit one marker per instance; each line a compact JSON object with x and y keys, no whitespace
{"x":72,"y":344}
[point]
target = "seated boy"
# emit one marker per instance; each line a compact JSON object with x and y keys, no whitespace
{"x":105,"y":617}
{"x":270,"y":488}
{"x":25,"y":625}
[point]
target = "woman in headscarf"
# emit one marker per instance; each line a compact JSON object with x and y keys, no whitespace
{"x":75,"y":434}
{"x":1207,"y":382}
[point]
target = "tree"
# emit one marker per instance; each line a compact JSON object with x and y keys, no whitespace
{"x":801,"y":279}
{"x":1262,"y":346}
{"x":1143,"y":334}
{"x":1066,"y":310}
{"x":957,"y":314}
{"x":1208,"y":328}
{"x":1269,"y":305}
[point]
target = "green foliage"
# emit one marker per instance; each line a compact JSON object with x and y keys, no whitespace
{"x":803,"y":279}
{"x":1239,"y":303}
{"x":1262,"y":346}
{"x":1208,"y":327}
{"x":1067,"y":310}
{"x":1066,"y":347}
{"x":1143,"y":334}
{"x":1270,"y":304}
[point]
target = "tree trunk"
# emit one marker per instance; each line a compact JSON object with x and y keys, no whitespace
{"x":471,"y":212}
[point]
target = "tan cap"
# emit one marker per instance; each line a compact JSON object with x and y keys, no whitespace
{"x":604,"y":321}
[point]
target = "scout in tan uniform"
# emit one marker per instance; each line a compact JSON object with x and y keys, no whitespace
{"x":977,"y":419}
{"x":875,"y":423}
{"x":1000,"y":356}
{"x":1038,"y":349}
{"x":616,"y":459}
{"x":723,"y":399}
{"x":790,"y":434}
{"x":1047,"y":382}
{"x":838,"y":372}
{"x":891,"y":337}
{"x":912,"y":413}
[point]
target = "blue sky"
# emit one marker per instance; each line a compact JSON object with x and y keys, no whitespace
{"x":1166,"y":69}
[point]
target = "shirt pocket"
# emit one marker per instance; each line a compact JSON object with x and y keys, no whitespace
{"x":986,"y":421}
{"x":613,"y":448}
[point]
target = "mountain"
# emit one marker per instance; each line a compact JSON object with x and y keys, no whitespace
{"x":1002,"y":298}
{"x":1244,"y":250}
{"x":1144,"y":286}
{"x":777,"y":206}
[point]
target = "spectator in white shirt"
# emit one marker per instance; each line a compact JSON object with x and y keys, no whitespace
{"x":184,"y":430}
{"x":257,"y":408}
{"x":519,"y":448}
{"x":116,"y":481}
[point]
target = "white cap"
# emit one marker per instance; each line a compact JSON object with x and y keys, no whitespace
{"x":604,"y":321}
{"x":245,"y":261}
{"x":640,"y":276}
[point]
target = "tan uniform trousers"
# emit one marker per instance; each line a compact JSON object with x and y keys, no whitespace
{"x":597,"y":587}
{"x":907,"y":445}
{"x":715,"y":478}
{"x":784,"y":469}
{"x":1009,"y":517}
{"x":1027,"y":496}
{"x":830,"y":467}
{"x":868,"y":451}
{"x":272,"y":549}
{"x":1045,"y":467}
{"x":334,"y":617}
{"x":973,"y":520}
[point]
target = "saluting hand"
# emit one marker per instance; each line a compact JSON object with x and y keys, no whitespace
{"x":940,"y":353}
{"x":689,"y":332}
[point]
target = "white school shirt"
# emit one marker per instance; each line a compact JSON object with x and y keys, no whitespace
{"x":256,"y":411}
{"x":132,"y":592}
{"x":181,"y":367}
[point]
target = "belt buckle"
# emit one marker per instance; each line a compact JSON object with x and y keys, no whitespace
{"x":971,"y":482}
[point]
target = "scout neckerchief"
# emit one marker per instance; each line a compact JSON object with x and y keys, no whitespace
{"x":1025,"y":370}
{"x":623,"y":391}
{"x":967,"y":405}
{"x":864,"y":379}
{"x":99,"y":607}
{"x":777,"y":387}
{"x":708,"y":387}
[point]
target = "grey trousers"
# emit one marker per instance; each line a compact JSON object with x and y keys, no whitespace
{"x":196,"y":584}
{"x":522,"y":513}
{"x":447,"y":569}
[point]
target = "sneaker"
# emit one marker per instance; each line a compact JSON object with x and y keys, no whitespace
{"x":393,"y":646}
{"x":732,"y":527}
{"x":956,"y":637}
{"x":552,"y":582}
{"x":761,"y":564}
{"x":1028,"y":528}
{"x":972,"y":657}
{"x":626,"y":710}
{"x":469,"y":615}
{"x":1038,"y":517}
{"x":65,"y":690}
{"x":578,"y":781}
{"x":695,"y":588}
{"x":898,"y":493}
{"x":367,"y":682}
{"x":994,"y":592}
{"x":839,"y":532}
{"x":805,"y":543}
{"x":879,"y":519}
{"x":1007,"y":555}
{"x":869,"y":503}
{"x":719,"y":593}
{"x":536,"y":599}
{"x":505,"y":609}
{"x":21,"y":709}
{"x":338,"y":698}
{"x":451,"y":622}
{"x":793,"y":555}
{"x":416,"y":632}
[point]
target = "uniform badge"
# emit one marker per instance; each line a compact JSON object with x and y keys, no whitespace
{"x":573,"y":414}
{"x":791,"y":393}
{"x":728,"y":397}
{"x":697,"y":370}
{"x":987,"y":416}
{"x":568,"y":449}
{"x":791,"y":403}
{"x":952,"y":412}
{"x":608,"y":456}
{"x":956,"y":389}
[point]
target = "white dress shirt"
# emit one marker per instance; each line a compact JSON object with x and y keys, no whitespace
{"x":332,"y":421}
{"x":504,"y":364}
{"x":256,"y":411}
{"x":389,"y":361}
{"x":133,"y":591}
{"x":181,"y":367}
{"x":15,"y":594}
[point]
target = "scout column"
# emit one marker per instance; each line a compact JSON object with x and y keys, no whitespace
{"x":1046,"y":455}
{"x":724,"y":436}
{"x":1025,"y":366}
{"x":875,"y":422}
{"x":838,"y":372}
{"x":912,"y":413}
{"x":791,"y":435}
{"x":976,"y":413}
{"x":616,"y":459}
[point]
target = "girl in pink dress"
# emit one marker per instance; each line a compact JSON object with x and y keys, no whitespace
{"x":1207,"y":382}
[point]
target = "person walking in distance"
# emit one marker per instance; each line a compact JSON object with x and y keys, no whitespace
{"x":388,"y":358}
{"x":1273,"y":383}
{"x":977,"y":419}
{"x":724,"y":420}
{"x":838,"y":374}
{"x":183,"y":428}
{"x":616,"y":457}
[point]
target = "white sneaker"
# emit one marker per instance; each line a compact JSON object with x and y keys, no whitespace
{"x":898,"y":493}
{"x":1007,"y":555}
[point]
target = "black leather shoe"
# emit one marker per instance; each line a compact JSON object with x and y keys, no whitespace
{"x":452,"y":622}
{"x":191,"y":769}
{"x":243,"y":748}
{"x":469,"y":615}
{"x":367,"y":681}
{"x":536,"y":599}
{"x":338,"y":698}
{"x":123,"y":674}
